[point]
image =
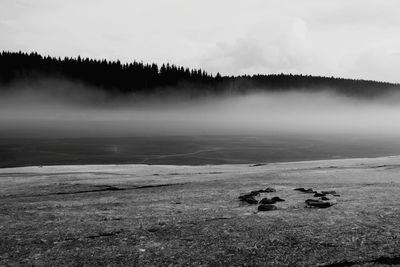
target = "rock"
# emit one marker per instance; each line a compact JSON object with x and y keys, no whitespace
{"x":267,"y":201}
{"x":249,"y":199}
{"x":301,"y":189}
{"x":319,"y":195}
{"x":269,"y":190}
{"x":153,"y":229}
{"x":324,"y":198}
{"x":308,"y":201}
{"x":267,"y":207}
{"x":318,"y":203}
{"x":330,"y":192}
{"x":278,"y":199}
{"x":255,"y":193}
{"x":258,"y":164}
{"x":309,"y":190}
{"x":245,"y":196}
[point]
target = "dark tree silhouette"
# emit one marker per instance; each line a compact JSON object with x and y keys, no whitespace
{"x":135,"y":76}
{"x":140,"y":77}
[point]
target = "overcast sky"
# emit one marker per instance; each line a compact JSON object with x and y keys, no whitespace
{"x":356,"y":39}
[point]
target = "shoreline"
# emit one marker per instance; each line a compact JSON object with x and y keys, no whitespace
{"x":252,"y":165}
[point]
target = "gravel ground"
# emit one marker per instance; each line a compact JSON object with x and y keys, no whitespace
{"x":142,"y":215}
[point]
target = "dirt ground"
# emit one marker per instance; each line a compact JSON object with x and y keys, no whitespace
{"x":141,"y":215}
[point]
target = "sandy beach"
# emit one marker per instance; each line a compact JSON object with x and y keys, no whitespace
{"x":165,"y":215}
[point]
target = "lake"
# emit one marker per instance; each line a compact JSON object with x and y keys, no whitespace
{"x":189,"y":150}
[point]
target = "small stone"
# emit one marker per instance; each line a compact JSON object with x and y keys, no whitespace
{"x":330,"y":192}
{"x":249,"y":199}
{"x":258,"y":164}
{"x":310,"y":190}
{"x":278,"y":199}
{"x":319,"y":195}
{"x":269,"y":190}
{"x":267,"y":207}
{"x":318,"y":203}
{"x":153,"y":229}
{"x":255,"y":193}
{"x":245,"y":196}
{"x":301,"y":189}
{"x":267,"y":201}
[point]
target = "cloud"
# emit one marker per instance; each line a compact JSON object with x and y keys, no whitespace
{"x":232,"y":37}
{"x":279,"y":46}
{"x":379,"y":62}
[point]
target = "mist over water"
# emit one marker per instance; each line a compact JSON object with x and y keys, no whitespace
{"x":60,"y":122}
{"x":66,"y":109}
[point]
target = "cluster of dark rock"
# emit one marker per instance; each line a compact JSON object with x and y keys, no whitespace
{"x":322,"y":202}
{"x":266,"y":204}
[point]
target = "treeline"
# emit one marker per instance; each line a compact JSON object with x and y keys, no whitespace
{"x":135,"y":76}
{"x":286,"y":82}
{"x":140,"y":77}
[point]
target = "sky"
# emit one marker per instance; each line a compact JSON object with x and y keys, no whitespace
{"x":351,"y":39}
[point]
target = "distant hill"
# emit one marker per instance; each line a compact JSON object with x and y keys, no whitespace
{"x":139,"y":77}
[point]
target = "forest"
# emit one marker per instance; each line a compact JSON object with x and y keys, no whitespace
{"x":137,"y":77}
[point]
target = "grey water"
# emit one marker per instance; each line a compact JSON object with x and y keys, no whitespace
{"x":188,"y":150}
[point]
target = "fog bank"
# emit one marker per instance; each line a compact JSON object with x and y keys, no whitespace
{"x":65,"y":109}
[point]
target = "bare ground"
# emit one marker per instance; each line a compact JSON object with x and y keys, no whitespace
{"x":142,"y":215}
